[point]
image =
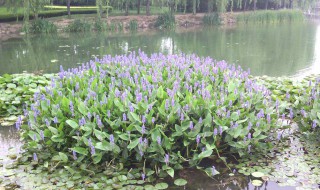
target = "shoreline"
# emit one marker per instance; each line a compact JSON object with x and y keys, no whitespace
{"x":145,"y":23}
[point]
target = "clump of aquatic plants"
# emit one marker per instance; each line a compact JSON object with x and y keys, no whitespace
{"x":17,"y":90}
{"x":78,"y":26}
{"x":298,"y":100}
{"x":211,"y":19}
{"x":159,"y":112}
{"x":166,"y":21}
{"x":42,"y":26}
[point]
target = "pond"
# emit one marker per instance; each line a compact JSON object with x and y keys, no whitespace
{"x":273,"y":50}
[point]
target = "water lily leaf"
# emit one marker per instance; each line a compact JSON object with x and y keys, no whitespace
{"x":161,"y":186}
{"x":257,"y":174}
{"x":180,"y":182}
{"x":256,"y":182}
{"x":11,"y":85}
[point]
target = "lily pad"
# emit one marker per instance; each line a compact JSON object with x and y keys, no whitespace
{"x":180,"y":182}
{"x":257,"y":174}
{"x":256,"y":182}
{"x":161,"y":186}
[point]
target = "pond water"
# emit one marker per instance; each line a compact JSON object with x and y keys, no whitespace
{"x":274,"y":50}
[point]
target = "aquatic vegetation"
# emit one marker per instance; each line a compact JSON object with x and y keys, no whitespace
{"x":270,"y":16}
{"x":211,"y":19}
{"x":133,"y":25}
{"x":165,"y":21}
{"x":78,"y":26}
{"x":159,"y":112}
{"x":17,"y":90}
{"x":42,"y":26}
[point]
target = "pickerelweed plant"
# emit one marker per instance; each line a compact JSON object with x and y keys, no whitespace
{"x":161,"y":112}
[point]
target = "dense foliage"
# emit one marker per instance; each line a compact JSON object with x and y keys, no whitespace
{"x":78,"y":26}
{"x":160,"y":112}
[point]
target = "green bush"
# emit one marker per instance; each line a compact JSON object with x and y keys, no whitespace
{"x":211,"y":19}
{"x":78,"y":26}
{"x":159,"y":112}
{"x":42,"y":26}
{"x":166,"y":21}
{"x":100,"y":26}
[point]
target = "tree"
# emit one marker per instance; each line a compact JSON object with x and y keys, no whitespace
{"x":148,"y":7}
{"x":138,"y":6}
{"x":68,"y":8}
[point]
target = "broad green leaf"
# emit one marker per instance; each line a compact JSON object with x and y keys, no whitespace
{"x":133,"y":144}
{"x":161,"y":186}
{"x":170,"y":171}
{"x":72,"y":124}
{"x":205,"y":154}
{"x":82,"y":108}
{"x":160,"y":93}
{"x":104,"y":145}
{"x":63,"y":157}
{"x":180,"y":182}
{"x":80,"y":150}
{"x":134,"y":117}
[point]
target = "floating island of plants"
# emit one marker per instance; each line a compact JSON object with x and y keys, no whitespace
{"x":130,"y":120}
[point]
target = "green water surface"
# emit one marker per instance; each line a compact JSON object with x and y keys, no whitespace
{"x":274,"y":50}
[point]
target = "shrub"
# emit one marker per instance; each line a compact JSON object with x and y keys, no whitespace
{"x":78,"y":26}
{"x":42,"y":26}
{"x":211,"y":19}
{"x":165,"y":21}
{"x":159,"y":112}
{"x":100,"y":26}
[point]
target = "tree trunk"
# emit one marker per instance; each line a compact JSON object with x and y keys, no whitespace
{"x":26,"y":15}
{"x":68,"y":8}
{"x":245,"y":5}
{"x":127,"y":8}
{"x":138,"y":6}
{"x":267,"y":4}
{"x":290,"y":4}
{"x":254,"y":5}
{"x":148,"y":8}
{"x":194,"y":6}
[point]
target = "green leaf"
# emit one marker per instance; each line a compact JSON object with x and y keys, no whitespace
{"x":63,"y":157}
{"x":318,"y":114}
{"x":180,"y":182}
{"x":170,"y":171}
{"x":82,"y":108}
{"x":231,"y":86}
{"x":161,"y":186}
{"x":205,"y":154}
{"x":80,"y":150}
{"x":11,"y":85}
{"x":97,"y":158}
{"x":104,"y":145}
{"x":160,"y":93}
{"x":119,"y":104}
{"x":72,"y":124}
{"x":134,"y":117}
{"x":133,"y":144}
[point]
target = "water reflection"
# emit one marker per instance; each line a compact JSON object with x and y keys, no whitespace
{"x":9,"y":138}
{"x":273,"y":50}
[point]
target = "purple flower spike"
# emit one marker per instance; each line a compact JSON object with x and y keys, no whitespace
{"x":191,"y":125}
{"x":42,"y":135}
{"x":198,"y":139}
{"x":55,"y":120}
{"x":314,"y":124}
{"x":111,"y":139}
{"x":143,"y":129}
{"x":159,"y":140}
{"x":166,"y":159}
{"x":124,"y":117}
{"x":215,"y":132}
{"x":35,"y":157}
{"x":74,"y":154}
{"x":143,"y":176}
